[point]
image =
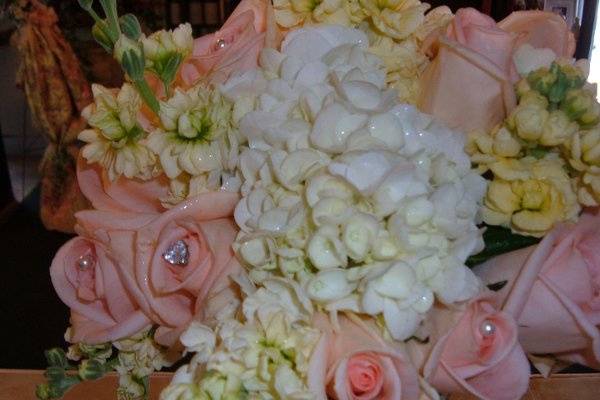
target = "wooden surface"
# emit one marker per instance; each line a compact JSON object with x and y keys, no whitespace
{"x":20,"y":385}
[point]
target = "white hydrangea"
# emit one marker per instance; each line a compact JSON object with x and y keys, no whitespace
{"x":369,"y":204}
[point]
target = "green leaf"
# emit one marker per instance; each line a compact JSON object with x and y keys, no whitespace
{"x":130,"y":26}
{"x":498,"y":241}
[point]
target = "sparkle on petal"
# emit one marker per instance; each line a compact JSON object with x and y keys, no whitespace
{"x":177,"y":253}
{"x":221,"y":44}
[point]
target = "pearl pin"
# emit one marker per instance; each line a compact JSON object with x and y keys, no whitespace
{"x":85,"y":261}
{"x":487,"y":328}
{"x":221,"y":44}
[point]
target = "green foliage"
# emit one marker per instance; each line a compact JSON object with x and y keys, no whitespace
{"x":61,"y":375}
{"x":498,"y":241}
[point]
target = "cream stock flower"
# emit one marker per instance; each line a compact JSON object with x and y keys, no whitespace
{"x":264,"y":356}
{"x":404,"y":63}
{"x":530,"y":196}
{"x":162,"y":45}
{"x":139,"y":356}
{"x":528,"y":120}
{"x":396,"y":18}
{"x":117,"y":141}
{"x":584,"y":157}
{"x":291,"y":13}
{"x":195,"y":138}
{"x":487,"y":148}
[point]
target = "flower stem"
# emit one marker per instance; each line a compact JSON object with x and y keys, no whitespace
{"x":147,"y":94}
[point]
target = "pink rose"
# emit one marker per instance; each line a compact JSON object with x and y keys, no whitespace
{"x":474,"y":350}
{"x":355,"y":363}
{"x":469,"y":83}
{"x":553,"y":291}
{"x":480,"y":33}
{"x":90,"y":282}
{"x":123,"y":195}
{"x":233,"y":48}
{"x":171,"y":294}
{"x":541,"y":29}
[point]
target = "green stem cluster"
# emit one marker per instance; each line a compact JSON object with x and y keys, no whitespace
{"x":107,"y":33}
{"x":62,"y":375}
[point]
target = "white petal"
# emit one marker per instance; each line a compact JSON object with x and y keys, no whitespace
{"x":329,"y":285}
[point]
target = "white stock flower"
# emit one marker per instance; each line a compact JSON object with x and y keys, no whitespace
{"x":163,"y":44}
{"x":117,"y":141}
{"x":198,"y":339}
{"x":264,"y":354}
{"x":196,"y":135}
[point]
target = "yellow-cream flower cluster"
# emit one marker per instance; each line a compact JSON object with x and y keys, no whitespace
{"x":396,"y":30}
{"x":263,"y":354}
{"x":545,"y":157}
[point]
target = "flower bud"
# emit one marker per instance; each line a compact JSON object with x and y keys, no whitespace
{"x":125,"y":44}
{"x":101,"y":33}
{"x":505,"y":144}
{"x":534,"y":97}
{"x":581,"y":106}
{"x":56,"y":357}
{"x":46,"y":391}
{"x":542,"y":80}
{"x":558,"y":129}
{"x":90,"y":370}
{"x":522,"y":87}
{"x":529,"y":120}
{"x":130,"y":26}
{"x":590,"y":146}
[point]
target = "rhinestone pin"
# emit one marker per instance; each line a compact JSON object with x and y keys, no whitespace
{"x":221,"y":44}
{"x":487,"y":328}
{"x":177,"y":253}
{"x":85,"y":261}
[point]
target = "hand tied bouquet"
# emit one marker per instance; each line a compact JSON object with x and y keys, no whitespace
{"x":276,"y":209}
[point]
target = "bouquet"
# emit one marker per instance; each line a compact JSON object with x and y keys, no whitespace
{"x":335,"y":200}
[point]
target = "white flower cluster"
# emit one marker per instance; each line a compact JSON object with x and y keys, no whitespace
{"x":264,"y":357}
{"x":369,"y":204}
{"x":139,"y":356}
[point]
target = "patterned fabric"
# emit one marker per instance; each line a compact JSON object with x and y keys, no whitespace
{"x":57,"y":91}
